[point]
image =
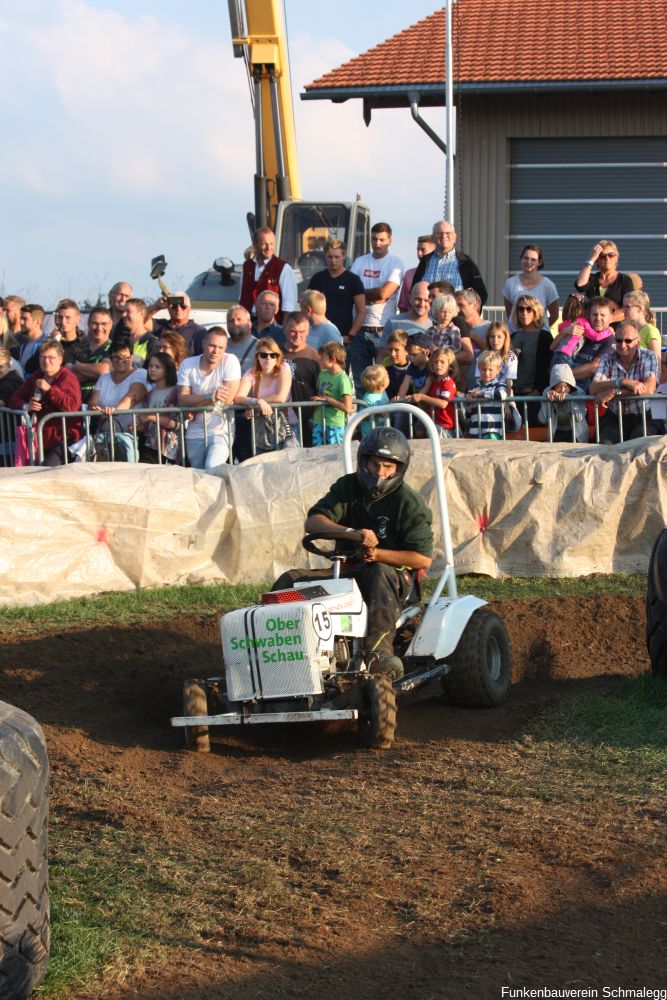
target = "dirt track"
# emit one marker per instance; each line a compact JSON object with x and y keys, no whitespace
{"x":413,"y":873}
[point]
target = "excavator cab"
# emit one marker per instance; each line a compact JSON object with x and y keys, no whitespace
{"x":303,"y":227}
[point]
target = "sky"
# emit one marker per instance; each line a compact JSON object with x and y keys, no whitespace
{"x":127,"y":132}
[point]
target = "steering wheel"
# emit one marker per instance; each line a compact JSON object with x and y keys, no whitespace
{"x":308,"y":540}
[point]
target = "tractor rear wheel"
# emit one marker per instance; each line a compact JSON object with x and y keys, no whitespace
{"x":481,"y":667}
{"x":195,"y":702}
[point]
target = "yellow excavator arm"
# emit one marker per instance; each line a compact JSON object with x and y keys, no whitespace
{"x":259,"y":37}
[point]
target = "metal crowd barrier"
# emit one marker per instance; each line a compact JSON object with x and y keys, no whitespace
{"x":10,"y":421}
{"x":123,"y":424}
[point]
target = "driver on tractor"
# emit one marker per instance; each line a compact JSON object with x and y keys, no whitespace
{"x":397,"y":539}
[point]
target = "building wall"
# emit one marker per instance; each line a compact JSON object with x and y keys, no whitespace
{"x":486,"y":124}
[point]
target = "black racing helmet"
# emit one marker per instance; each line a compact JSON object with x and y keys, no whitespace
{"x":389,"y":444}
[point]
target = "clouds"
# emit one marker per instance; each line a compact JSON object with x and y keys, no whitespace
{"x":140,"y":103}
{"x":127,"y":131}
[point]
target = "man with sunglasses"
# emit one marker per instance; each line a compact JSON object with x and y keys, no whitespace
{"x":178,"y":306}
{"x":628,"y":372}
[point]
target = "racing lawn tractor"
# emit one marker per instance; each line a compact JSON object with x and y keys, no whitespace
{"x":297,"y":656}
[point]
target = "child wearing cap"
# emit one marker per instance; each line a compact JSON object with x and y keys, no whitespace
{"x":560,"y":406}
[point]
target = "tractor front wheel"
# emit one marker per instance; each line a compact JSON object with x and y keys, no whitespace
{"x":377,"y":715}
{"x":195,"y":702}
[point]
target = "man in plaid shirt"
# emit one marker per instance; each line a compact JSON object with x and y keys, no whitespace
{"x":627,"y":371}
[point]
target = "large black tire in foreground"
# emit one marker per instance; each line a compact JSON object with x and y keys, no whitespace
{"x":481,"y":671}
{"x":656,"y":606}
{"x":24,"y":898}
{"x":377,"y":716}
{"x":195,"y":702}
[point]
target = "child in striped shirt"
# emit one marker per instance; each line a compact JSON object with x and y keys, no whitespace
{"x":486,"y":420}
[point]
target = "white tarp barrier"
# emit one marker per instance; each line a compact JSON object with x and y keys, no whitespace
{"x":516,"y":509}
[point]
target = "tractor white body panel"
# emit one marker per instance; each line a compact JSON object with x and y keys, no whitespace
{"x":282,"y":650}
{"x":442,"y":626}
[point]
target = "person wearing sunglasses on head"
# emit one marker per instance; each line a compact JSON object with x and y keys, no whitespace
{"x":607,"y":280}
{"x":628,"y":372}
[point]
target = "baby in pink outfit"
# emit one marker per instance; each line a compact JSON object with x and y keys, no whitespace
{"x":578,"y":330}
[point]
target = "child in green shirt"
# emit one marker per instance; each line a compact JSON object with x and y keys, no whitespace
{"x":335,"y":388}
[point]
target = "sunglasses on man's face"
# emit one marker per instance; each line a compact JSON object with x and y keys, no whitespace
{"x":606,"y":256}
{"x":266,"y":354}
{"x":622,"y":340}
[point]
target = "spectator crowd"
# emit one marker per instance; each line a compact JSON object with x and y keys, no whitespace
{"x":287,"y":370}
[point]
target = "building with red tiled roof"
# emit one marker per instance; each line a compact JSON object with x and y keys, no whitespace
{"x":562,"y":126}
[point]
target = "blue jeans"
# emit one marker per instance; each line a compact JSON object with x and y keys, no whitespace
{"x":363,"y":351}
{"x":126,"y":441}
{"x":208,"y":454}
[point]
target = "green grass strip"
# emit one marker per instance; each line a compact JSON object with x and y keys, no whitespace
{"x":135,"y":607}
{"x":630,"y":716}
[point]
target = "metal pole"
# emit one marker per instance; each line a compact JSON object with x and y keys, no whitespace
{"x":449,"y":101}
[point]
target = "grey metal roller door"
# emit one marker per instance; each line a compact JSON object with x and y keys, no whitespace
{"x":567,"y":193}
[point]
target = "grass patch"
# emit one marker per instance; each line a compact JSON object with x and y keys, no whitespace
{"x":618,"y":739}
{"x":631,"y":716}
{"x":111,"y":899}
{"x":164,"y":603}
{"x":80,"y":947}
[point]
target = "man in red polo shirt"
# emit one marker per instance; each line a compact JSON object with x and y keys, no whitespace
{"x":268,"y":273}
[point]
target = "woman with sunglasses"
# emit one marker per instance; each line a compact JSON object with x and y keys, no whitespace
{"x":529,"y":281}
{"x":269,"y":381}
{"x":607,"y":280}
{"x":531,"y":342}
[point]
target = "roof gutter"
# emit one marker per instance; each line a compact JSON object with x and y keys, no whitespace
{"x":340,"y":94}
